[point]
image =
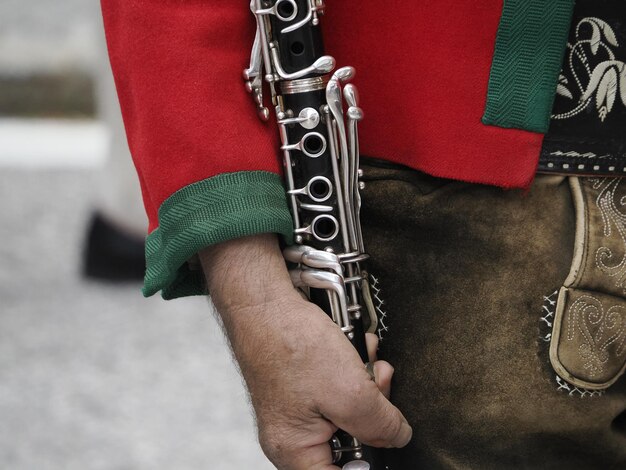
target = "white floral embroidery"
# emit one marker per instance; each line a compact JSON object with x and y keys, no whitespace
{"x":595,"y":41}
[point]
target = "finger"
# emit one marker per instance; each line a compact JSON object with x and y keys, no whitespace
{"x":371,"y":341}
{"x":318,"y":457}
{"x":299,"y":447}
{"x":383,"y":372}
{"x":371,"y":418}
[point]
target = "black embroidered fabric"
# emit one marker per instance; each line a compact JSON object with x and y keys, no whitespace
{"x":587,"y":133}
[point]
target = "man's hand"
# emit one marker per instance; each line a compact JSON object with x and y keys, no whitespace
{"x":304,"y":377}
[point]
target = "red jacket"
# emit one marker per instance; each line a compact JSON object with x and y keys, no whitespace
{"x":423,"y":72}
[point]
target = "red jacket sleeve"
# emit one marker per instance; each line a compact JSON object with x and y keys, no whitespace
{"x":208,"y":167}
{"x":187,"y":115}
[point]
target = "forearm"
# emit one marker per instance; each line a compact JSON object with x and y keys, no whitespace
{"x":245,"y":272}
{"x":252,"y":292}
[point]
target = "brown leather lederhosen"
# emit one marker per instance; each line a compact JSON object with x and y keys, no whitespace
{"x":470,"y":277}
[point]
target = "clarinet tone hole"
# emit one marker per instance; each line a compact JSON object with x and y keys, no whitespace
{"x":320,"y":189}
{"x":286,"y":10}
{"x":325,"y":228}
{"x":314,"y":144}
{"x":297,"y":48}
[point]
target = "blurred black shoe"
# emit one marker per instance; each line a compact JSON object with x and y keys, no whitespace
{"x":112,"y":254}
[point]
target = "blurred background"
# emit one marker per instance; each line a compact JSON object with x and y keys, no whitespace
{"x":92,"y":375}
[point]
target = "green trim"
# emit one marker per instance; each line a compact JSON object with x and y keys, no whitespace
{"x":224,"y":207}
{"x":529,"y":52}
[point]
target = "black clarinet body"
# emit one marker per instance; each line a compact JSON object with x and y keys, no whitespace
{"x":318,"y":113}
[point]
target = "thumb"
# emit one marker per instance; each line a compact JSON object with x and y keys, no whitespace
{"x":372,"y":419}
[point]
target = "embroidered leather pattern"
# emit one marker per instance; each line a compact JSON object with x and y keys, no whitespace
{"x":588,"y":344}
{"x":379,"y":306}
{"x":547,"y":316}
{"x":586,"y":133}
{"x":612,"y":207}
{"x":597,"y":331}
{"x":572,"y":390}
{"x":545,"y":334}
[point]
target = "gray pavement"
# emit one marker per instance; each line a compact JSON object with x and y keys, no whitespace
{"x":92,"y":376}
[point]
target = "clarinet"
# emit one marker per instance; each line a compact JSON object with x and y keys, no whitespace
{"x":318,"y":114}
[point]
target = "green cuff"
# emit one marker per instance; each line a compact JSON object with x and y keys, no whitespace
{"x":224,"y":207}
{"x":530,"y":46}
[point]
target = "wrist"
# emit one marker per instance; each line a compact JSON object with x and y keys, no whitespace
{"x":246,"y":272}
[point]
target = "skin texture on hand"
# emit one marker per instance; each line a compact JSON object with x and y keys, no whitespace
{"x":304,"y":377}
